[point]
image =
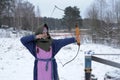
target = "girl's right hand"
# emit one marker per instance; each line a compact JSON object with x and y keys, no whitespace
{"x":39,"y":36}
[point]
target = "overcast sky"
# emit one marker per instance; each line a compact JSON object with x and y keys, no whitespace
{"x":46,"y":6}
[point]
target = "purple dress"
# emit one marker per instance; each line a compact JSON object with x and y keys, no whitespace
{"x":44,"y":74}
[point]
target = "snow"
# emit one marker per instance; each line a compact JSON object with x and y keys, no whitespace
{"x":16,"y":62}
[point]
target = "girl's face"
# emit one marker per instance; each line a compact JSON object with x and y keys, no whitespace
{"x":44,"y":33}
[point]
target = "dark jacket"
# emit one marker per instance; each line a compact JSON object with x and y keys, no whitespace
{"x":57,"y":44}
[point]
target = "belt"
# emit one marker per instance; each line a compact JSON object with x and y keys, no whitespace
{"x":45,"y":60}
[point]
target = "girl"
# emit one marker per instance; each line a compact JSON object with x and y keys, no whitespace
{"x":44,"y":49}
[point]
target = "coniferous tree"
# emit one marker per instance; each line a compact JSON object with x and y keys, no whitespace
{"x":71,"y":17}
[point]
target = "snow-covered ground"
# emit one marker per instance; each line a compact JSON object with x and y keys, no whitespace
{"x":16,"y":63}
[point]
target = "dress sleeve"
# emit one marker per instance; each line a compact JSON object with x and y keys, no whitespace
{"x":59,"y":43}
{"x":29,"y":43}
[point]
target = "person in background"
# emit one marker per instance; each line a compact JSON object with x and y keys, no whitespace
{"x":44,"y":49}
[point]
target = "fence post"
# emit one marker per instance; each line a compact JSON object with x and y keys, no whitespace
{"x":88,"y":69}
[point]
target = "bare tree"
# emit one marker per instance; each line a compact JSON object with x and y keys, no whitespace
{"x":101,"y":6}
{"x":9,"y":12}
{"x":24,"y":15}
{"x":38,"y":16}
{"x":108,"y":28}
{"x":117,"y":11}
{"x":18,"y":14}
{"x":93,"y":14}
{"x":6,"y":7}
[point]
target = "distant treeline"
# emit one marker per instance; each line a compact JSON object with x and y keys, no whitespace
{"x":54,"y":24}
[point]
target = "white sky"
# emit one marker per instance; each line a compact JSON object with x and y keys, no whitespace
{"x":46,"y":6}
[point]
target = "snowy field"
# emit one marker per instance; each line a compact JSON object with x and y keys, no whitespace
{"x":16,"y":63}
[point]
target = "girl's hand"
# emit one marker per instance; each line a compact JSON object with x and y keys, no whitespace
{"x":78,"y":40}
{"x":39,"y":36}
{"x":77,"y":34}
{"x":44,"y":36}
